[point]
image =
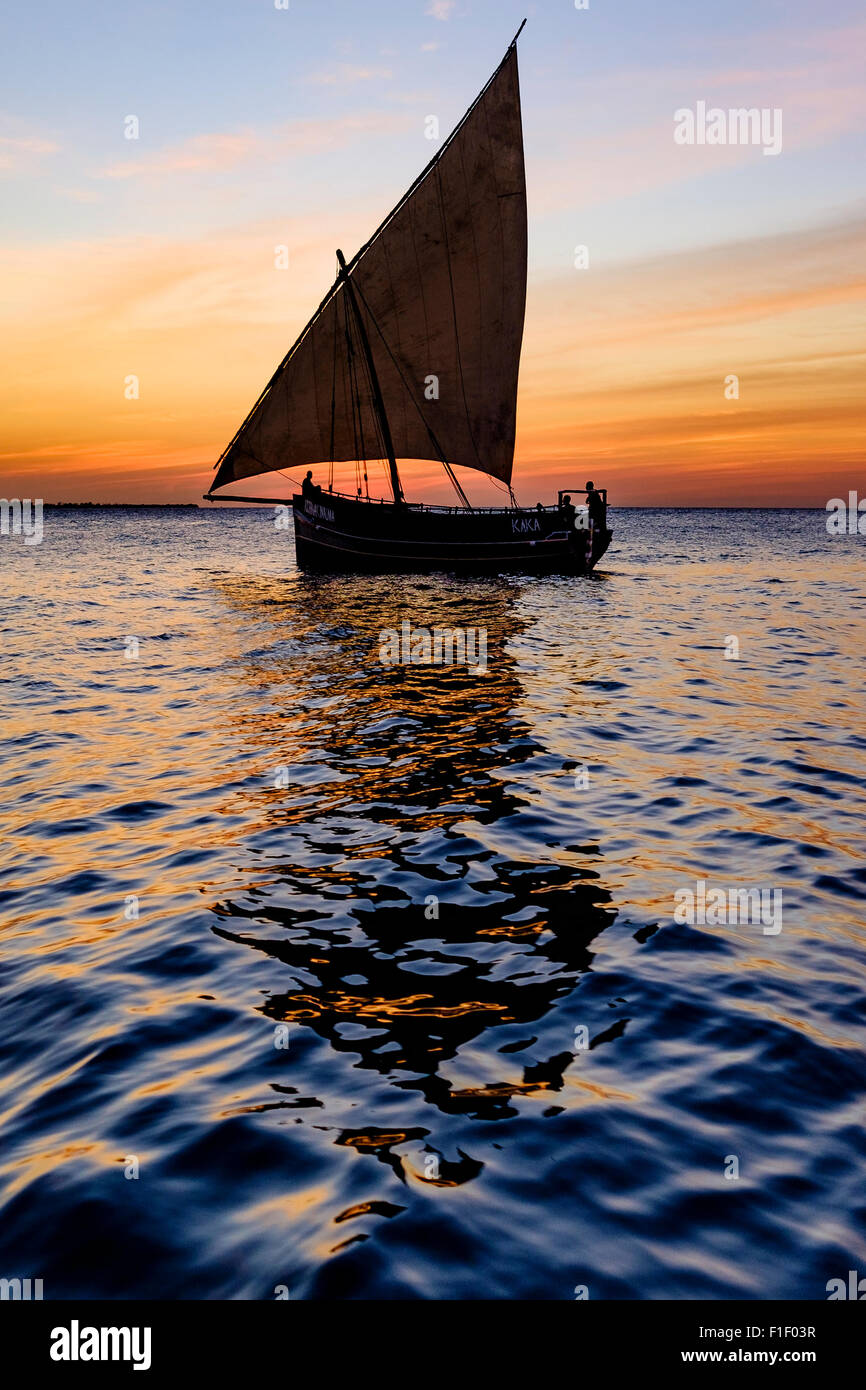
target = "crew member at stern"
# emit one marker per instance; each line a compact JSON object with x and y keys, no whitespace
{"x":597,"y":508}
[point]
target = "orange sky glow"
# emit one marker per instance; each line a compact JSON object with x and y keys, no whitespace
{"x":624,"y":364}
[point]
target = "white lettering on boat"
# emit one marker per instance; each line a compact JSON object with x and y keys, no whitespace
{"x":522,"y":525}
{"x":316,"y":509}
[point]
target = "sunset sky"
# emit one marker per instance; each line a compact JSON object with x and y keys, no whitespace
{"x":261,"y":127}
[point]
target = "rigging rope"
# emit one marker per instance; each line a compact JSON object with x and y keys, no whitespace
{"x":333,"y":418}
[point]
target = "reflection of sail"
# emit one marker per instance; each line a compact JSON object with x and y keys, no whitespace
{"x":398,"y":913}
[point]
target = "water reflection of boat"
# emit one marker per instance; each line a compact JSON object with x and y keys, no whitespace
{"x":414,"y":354}
{"x":398,"y":876}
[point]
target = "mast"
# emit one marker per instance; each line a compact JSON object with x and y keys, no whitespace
{"x":378,"y":399}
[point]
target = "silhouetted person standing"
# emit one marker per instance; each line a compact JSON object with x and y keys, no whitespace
{"x":596,"y":506}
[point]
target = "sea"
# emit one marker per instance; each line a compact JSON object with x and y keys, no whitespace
{"x":324,"y":976}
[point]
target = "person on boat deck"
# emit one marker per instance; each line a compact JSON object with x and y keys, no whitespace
{"x":568,"y":511}
{"x":308,"y":487}
{"x":597,"y":508}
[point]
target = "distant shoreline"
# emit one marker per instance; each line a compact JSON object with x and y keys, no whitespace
{"x":227,"y":501}
{"x":138,"y":506}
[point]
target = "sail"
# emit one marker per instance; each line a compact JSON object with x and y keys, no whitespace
{"x":441,"y":288}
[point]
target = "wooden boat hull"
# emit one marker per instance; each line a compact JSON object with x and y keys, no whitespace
{"x":340,"y":533}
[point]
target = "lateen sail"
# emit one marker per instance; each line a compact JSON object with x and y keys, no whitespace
{"x":442,"y":290}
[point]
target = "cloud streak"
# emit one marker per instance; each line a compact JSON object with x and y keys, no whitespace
{"x":441,"y":9}
{"x":21,"y":152}
{"x":346,"y":74}
{"x":219,"y":151}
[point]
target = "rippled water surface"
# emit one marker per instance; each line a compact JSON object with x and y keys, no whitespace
{"x":442,"y":884}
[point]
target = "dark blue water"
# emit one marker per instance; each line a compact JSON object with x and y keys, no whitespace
{"x":509,"y":1071}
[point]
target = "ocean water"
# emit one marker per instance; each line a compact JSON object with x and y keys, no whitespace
{"x":361,"y":981}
